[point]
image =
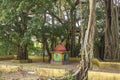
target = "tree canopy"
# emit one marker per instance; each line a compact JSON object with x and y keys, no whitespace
{"x":54,"y":21}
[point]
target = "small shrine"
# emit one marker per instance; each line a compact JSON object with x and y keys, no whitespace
{"x":60,"y":55}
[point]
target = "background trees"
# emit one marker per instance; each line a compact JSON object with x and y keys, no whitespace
{"x":54,"y":21}
{"x":15,"y":19}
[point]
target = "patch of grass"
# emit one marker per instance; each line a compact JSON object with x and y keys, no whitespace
{"x":51,"y":72}
{"x":1,"y":78}
{"x":70,"y":77}
{"x":6,"y":57}
{"x":103,"y":76}
{"x":36,"y":58}
{"x":0,"y":75}
{"x":22,"y":61}
{"x":10,"y":69}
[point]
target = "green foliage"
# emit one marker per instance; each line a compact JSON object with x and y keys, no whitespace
{"x":100,"y":25}
{"x":77,"y":50}
{"x":17,"y":26}
{"x":22,"y":19}
{"x":70,"y":77}
{"x":100,"y":17}
{"x":7,"y":48}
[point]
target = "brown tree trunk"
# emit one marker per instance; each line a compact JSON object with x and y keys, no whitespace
{"x":46,"y":47}
{"x":89,"y":39}
{"x":90,"y":32}
{"x":73,"y":27}
{"x":48,"y":51}
{"x":22,"y":53}
{"x":111,"y":32}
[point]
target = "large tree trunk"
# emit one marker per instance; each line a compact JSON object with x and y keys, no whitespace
{"x":89,"y":39}
{"x":111,"y":32}
{"x":90,"y":32}
{"x":22,"y":53}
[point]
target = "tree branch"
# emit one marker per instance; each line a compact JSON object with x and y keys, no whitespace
{"x":52,"y":14}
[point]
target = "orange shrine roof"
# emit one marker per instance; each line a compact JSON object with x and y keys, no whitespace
{"x":60,"y":48}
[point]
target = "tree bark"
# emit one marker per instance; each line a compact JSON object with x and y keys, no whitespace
{"x":46,"y":47}
{"x":22,"y":53}
{"x":49,"y":54}
{"x":111,"y":32}
{"x":90,"y":32}
{"x":73,"y":27}
{"x":87,"y":52}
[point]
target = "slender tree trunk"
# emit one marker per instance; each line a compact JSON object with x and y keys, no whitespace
{"x":49,"y":54}
{"x":44,"y":47}
{"x":111,"y":32}
{"x":73,"y":27}
{"x":102,"y":47}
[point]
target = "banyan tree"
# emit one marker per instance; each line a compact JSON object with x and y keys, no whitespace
{"x":112,"y":30}
{"x":88,"y":46}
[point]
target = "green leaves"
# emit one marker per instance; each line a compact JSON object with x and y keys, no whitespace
{"x":21,"y":19}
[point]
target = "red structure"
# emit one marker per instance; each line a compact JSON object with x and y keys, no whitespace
{"x":60,"y":55}
{"x":60,"y":48}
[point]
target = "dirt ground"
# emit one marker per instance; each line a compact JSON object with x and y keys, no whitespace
{"x":27,"y":72}
{"x":19,"y":76}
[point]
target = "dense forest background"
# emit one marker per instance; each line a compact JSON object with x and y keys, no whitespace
{"x":35,"y":27}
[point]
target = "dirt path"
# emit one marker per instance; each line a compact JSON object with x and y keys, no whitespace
{"x":19,"y":76}
{"x":27,"y":72}
{"x":38,"y":64}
